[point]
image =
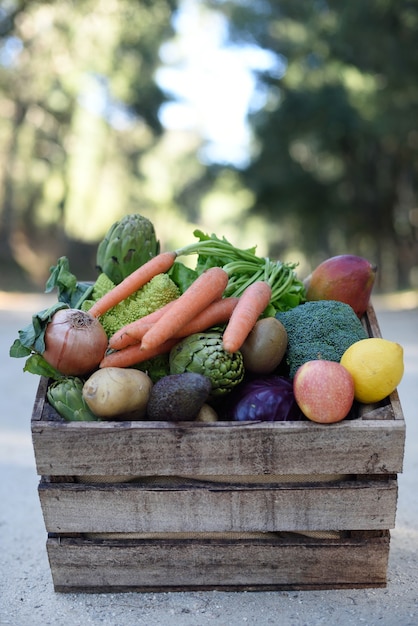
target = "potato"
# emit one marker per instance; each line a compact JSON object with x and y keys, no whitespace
{"x":113,"y":392}
{"x":265,"y":346}
{"x":207,"y":414}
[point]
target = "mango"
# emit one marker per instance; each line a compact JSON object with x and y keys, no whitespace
{"x":347,"y":278}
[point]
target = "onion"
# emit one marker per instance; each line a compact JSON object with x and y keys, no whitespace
{"x":75,"y":342}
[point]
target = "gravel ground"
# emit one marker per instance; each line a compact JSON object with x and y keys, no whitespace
{"x":27,"y":597}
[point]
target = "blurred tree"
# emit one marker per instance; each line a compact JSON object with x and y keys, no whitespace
{"x":335,"y":158}
{"x":78,"y":111}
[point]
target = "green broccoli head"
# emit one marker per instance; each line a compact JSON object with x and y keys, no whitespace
{"x":152,"y":296}
{"x":320,"y":329}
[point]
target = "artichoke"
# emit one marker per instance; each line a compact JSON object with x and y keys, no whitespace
{"x":127,"y":245}
{"x":203,"y":353}
{"x":66,"y":396}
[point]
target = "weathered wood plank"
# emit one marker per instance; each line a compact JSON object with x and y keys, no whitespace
{"x":97,"y":566}
{"x":370,"y":322}
{"x":211,"y":507}
{"x":191,"y":449}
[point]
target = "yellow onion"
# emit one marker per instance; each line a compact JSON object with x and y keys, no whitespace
{"x":75,"y":342}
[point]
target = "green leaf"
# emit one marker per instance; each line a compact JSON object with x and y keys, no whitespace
{"x":32,"y":337}
{"x":36,"y":364}
{"x":18,"y":350}
{"x":69,"y":289}
{"x":61,"y":277}
{"x":182,"y":275}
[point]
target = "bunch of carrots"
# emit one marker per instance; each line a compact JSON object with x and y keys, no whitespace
{"x":198,"y":308}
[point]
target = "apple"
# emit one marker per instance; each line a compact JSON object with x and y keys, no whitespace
{"x":347,"y":278}
{"x":324,"y":391}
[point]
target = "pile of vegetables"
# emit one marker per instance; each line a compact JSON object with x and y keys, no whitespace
{"x":152,"y":337}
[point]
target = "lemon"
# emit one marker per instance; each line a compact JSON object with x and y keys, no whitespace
{"x":376,"y":366}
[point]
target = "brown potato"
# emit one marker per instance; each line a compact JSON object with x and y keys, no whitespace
{"x":207,"y":414}
{"x":116,"y":391}
{"x":265,"y":346}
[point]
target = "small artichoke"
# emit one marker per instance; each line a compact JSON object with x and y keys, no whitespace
{"x":66,"y":396}
{"x":203,"y":353}
{"x":127,"y":245}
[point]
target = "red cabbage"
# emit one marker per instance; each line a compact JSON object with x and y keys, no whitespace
{"x":269,"y":399}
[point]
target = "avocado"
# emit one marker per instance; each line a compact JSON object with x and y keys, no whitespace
{"x":178,"y":397}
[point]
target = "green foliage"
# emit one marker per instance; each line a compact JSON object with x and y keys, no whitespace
{"x":244,"y":267}
{"x":336,"y":153}
{"x":335,"y":156}
{"x":69,"y":290}
{"x":79,"y":109}
{"x":32,"y":337}
{"x":30,"y":343}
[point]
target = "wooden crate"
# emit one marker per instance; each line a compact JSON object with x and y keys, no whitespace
{"x":157,"y":506}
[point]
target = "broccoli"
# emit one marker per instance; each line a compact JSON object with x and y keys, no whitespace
{"x":152,"y":296}
{"x":320,"y":329}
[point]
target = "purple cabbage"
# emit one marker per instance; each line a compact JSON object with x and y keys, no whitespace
{"x":268,"y":399}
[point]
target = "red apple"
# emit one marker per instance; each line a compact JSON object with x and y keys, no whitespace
{"x":324,"y":391}
{"x":347,"y":278}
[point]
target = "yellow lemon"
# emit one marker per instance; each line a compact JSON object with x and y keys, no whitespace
{"x":376,"y":366}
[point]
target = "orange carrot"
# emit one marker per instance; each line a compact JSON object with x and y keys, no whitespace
{"x":251,"y":305}
{"x":131,"y":355}
{"x":157,"y":265}
{"x":217,"y":312}
{"x":207,"y":287}
{"x":134,"y":331}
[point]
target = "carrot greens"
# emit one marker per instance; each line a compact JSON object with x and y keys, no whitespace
{"x":244,"y":267}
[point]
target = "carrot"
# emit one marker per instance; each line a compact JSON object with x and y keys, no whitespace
{"x":217,"y":312}
{"x":134,"y":331}
{"x":131,"y":355}
{"x":251,"y":305}
{"x":157,"y":265}
{"x":207,"y":287}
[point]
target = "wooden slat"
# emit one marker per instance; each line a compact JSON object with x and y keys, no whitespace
{"x":101,"y":566}
{"x":370,"y":322}
{"x":40,"y":398}
{"x":130,"y":508}
{"x":191,"y":449}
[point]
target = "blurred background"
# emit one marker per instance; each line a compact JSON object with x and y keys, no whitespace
{"x":289,"y":125}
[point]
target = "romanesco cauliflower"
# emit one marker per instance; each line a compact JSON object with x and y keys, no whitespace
{"x":152,"y":296}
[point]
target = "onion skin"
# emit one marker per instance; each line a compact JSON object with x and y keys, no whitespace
{"x":75,"y":342}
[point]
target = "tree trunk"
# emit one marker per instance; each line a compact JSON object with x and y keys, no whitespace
{"x":7,"y":223}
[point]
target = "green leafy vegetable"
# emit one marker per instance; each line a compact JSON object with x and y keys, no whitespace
{"x":66,"y":396}
{"x":245,"y":267}
{"x":31,"y":339}
{"x":31,"y":342}
{"x":70,"y":290}
{"x":128,"y":244}
{"x":36,"y":364}
{"x":320,"y":329}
